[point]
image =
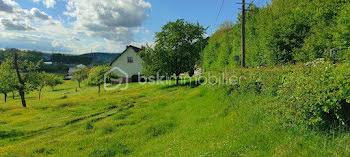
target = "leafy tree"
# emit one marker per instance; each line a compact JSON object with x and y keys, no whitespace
{"x":26,"y":73}
{"x":342,"y":32}
{"x":53,"y":80}
{"x":42,"y":80}
{"x":7,"y":78}
{"x":80,"y":75}
{"x":177,"y":49}
{"x":96,"y":76}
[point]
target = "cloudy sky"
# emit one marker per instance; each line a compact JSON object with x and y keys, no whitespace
{"x":81,"y":26}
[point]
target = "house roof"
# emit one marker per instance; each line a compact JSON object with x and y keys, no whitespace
{"x":136,"y":49}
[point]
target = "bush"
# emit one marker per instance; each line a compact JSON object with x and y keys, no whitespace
{"x":317,"y":95}
{"x":258,"y":80}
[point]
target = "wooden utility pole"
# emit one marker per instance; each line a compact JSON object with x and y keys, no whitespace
{"x":243,"y":33}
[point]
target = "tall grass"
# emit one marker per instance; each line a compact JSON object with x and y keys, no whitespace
{"x":157,"y":120}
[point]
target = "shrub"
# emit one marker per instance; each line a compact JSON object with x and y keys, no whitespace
{"x":317,"y":95}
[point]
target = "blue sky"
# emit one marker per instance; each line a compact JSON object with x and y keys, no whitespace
{"x":81,"y":26}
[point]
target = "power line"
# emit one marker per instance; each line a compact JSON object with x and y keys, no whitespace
{"x":217,"y":17}
{"x":222,"y":5}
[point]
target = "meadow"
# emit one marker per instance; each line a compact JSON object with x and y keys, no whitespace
{"x":155,"y":120}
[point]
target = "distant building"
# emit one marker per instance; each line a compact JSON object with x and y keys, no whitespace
{"x":81,"y":66}
{"x":129,"y":62}
{"x":71,"y":70}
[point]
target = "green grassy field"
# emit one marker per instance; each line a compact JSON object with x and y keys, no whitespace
{"x":155,"y":120}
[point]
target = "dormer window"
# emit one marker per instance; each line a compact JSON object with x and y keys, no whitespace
{"x":130,"y":60}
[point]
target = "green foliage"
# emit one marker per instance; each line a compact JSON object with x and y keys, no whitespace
{"x":177,"y":49}
{"x":29,"y":55}
{"x":8,"y":79}
{"x":80,"y":74}
{"x":55,"y":68}
{"x":342,"y":32}
{"x":163,"y":122}
{"x":70,"y":59}
{"x":317,"y":95}
{"x":53,"y":80}
{"x":97,"y":76}
{"x":283,"y":32}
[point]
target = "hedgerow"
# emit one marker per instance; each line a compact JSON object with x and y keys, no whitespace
{"x":315,"y":94}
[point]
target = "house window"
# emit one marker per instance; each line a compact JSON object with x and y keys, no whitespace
{"x":130,"y":60}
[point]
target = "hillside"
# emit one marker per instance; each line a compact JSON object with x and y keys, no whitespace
{"x":99,"y":58}
{"x":283,"y":32}
{"x":155,"y":120}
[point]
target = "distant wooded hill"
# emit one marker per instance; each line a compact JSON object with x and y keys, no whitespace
{"x":97,"y":58}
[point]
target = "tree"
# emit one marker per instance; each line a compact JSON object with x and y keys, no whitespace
{"x":96,"y":76}
{"x":80,"y":75}
{"x":26,"y":72}
{"x":7,"y":78}
{"x":41,"y":81}
{"x":177,"y":49}
{"x":53,"y":80}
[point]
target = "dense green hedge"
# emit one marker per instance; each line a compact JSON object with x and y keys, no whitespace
{"x":315,"y":94}
{"x":283,"y":32}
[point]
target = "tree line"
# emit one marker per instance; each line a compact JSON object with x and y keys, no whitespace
{"x":283,"y":32}
{"x":35,"y":56}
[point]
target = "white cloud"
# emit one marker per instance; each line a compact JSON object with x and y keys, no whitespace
{"x":21,"y":36}
{"x":100,"y":25}
{"x":10,"y":24}
{"x":36,"y":13}
{"x":8,"y":6}
{"x":108,"y":19}
{"x":47,"y":3}
{"x":13,"y":17}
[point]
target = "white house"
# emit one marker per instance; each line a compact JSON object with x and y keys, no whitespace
{"x":128,"y":62}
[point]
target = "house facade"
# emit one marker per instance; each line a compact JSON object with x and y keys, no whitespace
{"x":129,"y":62}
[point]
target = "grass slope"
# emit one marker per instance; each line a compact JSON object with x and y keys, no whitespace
{"x":154,"y":120}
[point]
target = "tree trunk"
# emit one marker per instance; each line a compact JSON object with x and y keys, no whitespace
{"x":177,"y":79}
{"x":5,"y":94}
{"x":13,"y":95}
{"x":40,"y":93}
{"x":21,"y":93}
{"x":99,"y":89}
{"x":79,"y":84}
{"x":21,"y":88}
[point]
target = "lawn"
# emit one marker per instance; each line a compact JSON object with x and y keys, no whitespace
{"x":155,"y":120}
